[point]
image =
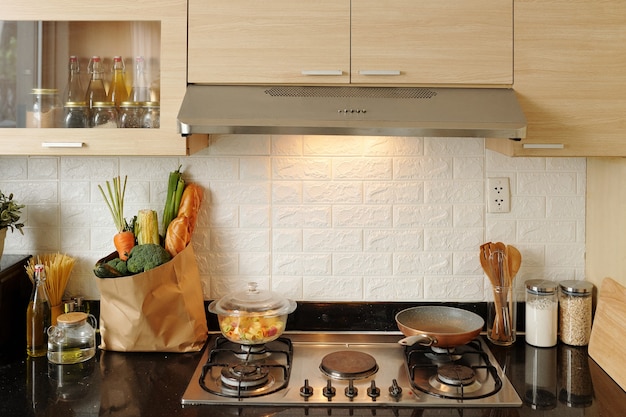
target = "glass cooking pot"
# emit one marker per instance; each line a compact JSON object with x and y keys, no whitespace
{"x":252,"y":316}
{"x":73,"y":339}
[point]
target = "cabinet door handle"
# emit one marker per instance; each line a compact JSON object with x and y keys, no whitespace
{"x":379,"y":72}
{"x":322,"y":72}
{"x":543,"y":146}
{"x":62,"y":144}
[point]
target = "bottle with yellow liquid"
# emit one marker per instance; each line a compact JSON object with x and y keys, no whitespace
{"x":38,"y":316}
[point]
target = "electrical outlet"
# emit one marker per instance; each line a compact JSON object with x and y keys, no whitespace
{"x":498,"y":195}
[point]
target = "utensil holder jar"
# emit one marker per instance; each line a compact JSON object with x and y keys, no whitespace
{"x":502,"y":316}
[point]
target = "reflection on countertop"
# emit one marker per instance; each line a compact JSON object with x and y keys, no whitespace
{"x":561,"y":381}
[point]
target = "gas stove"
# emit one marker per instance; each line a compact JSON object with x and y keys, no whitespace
{"x":348,"y":370}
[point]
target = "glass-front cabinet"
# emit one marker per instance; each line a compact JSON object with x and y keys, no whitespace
{"x":93,"y":78}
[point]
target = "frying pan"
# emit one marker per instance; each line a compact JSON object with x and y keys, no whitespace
{"x":438,"y":326}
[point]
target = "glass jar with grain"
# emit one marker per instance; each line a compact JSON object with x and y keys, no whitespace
{"x":575,"y":309}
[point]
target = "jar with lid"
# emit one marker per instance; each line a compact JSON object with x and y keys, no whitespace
{"x":73,"y":339}
{"x":76,"y":114}
{"x":46,"y":110}
{"x":541,"y":312}
{"x":131,"y":113}
{"x":575,"y":312}
{"x":104,"y":115}
{"x":151,"y":115}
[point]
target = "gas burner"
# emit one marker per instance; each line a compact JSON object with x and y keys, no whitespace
{"x":244,"y":376}
{"x":241,"y":371}
{"x":252,"y":352}
{"x":456,"y":375}
{"x":348,"y":365}
{"x":465,"y":372}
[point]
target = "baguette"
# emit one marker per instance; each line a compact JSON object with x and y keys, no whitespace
{"x":190,"y":204}
{"x":178,"y":235}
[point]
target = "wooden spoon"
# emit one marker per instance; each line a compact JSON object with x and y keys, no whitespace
{"x":514,"y":259}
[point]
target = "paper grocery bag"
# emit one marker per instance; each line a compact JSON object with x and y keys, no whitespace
{"x":161,"y":310}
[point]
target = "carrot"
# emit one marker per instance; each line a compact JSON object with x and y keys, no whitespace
{"x":124,"y":242}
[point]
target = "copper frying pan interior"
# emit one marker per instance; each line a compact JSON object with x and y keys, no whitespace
{"x":449,"y":326}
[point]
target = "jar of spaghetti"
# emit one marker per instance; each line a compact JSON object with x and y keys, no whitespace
{"x":575,"y":312}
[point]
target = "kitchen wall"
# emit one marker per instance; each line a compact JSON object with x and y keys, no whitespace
{"x":321,"y":218}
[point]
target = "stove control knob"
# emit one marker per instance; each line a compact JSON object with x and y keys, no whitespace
{"x":351,"y":391}
{"x":373,"y":391}
{"x":328,"y":391}
{"x":394,"y":390}
{"x":306,"y":390}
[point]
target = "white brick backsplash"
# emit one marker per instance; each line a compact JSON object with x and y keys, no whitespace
{"x":332,"y":192}
{"x":339,"y":288}
{"x":335,"y":240}
{"x":362,"y":168}
{"x":393,"y":288}
{"x":422,"y":263}
{"x":425,"y":168}
{"x":375,"y":264}
{"x":301,"y":216}
{"x":459,"y":288}
{"x":321,"y":218}
{"x":333,"y":145}
{"x":362,"y":216}
{"x":13,"y":169}
{"x":392,"y":146}
{"x":301,"y":168}
{"x":393,"y":192}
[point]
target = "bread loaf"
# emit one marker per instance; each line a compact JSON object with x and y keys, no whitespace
{"x":190,"y":204}
{"x":178,"y":235}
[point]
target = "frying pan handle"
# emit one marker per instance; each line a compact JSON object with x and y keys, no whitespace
{"x":422,"y":339}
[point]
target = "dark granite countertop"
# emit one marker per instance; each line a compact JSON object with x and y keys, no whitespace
{"x":152,"y":384}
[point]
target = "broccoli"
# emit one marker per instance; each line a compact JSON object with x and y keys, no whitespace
{"x":145,"y":257}
{"x":119,"y":265}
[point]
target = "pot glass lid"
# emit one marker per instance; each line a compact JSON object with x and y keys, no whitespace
{"x":253,"y":301}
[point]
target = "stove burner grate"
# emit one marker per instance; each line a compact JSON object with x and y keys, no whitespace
{"x":464,"y":374}
{"x":240,"y":372}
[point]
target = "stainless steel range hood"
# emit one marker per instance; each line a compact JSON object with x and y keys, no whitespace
{"x":352,"y":110}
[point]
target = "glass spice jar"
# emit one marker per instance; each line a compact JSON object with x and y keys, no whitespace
{"x":575,"y":312}
{"x":151,"y":115}
{"x":46,"y":110}
{"x":76,"y":114}
{"x":104,"y":115}
{"x":131,"y":113}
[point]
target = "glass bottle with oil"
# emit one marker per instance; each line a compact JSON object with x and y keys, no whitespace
{"x":38,"y":315}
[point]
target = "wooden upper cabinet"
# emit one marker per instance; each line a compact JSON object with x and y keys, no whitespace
{"x":154,"y":29}
{"x":432,"y":42}
{"x":362,"y":42}
{"x":570,"y":77}
{"x":286,"y":41}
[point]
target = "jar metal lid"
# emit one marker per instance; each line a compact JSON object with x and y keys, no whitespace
{"x":131,"y":104}
{"x":576,"y":287}
{"x":45,"y":91}
{"x":103,"y":104}
{"x":75,"y":104}
{"x":541,"y":286}
{"x":72,"y":319}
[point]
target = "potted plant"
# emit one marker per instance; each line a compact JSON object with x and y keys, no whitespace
{"x":10,"y":213}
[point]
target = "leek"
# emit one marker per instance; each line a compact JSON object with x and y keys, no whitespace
{"x":175,"y":187}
